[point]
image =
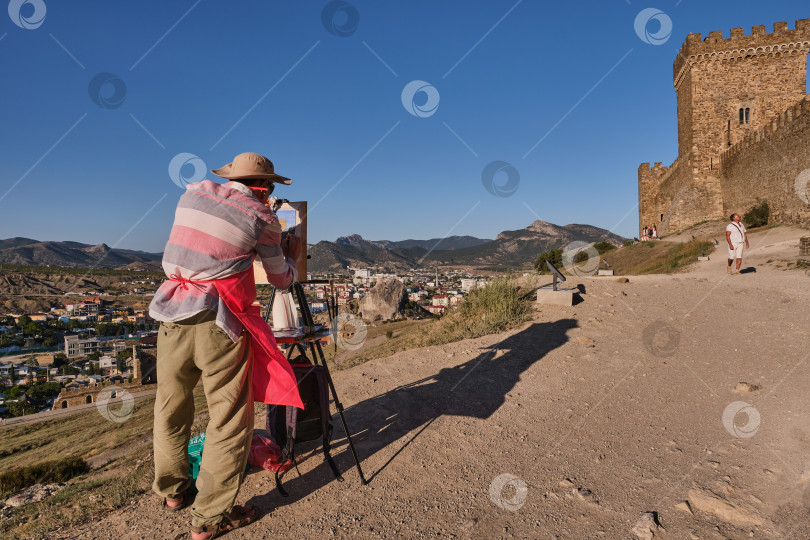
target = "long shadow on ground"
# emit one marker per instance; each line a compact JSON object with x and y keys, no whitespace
{"x":475,"y":389}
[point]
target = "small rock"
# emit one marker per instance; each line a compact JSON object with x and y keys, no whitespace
{"x":588,"y":342}
{"x":734,"y":514}
{"x":567,"y":483}
{"x":744,"y":387}
{"x":646,"y":527}
{"x":684,"y":507}
{"x":18,"y":500}
{"x":622,"y":280}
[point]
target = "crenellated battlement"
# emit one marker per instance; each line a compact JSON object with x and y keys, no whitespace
{"x":783,"y":120}
{"x":716,"y":48}
{"x":657,"y":168}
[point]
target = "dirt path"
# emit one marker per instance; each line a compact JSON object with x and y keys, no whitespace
{"x":572,"y":426}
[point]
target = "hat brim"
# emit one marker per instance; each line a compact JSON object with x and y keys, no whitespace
{"x":225,"y":172}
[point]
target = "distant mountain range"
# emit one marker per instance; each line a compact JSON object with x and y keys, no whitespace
{"x":511,"y":248}
{"x":517,"y":249}
{"x":451,"y":242}
{"x":27,"y":251}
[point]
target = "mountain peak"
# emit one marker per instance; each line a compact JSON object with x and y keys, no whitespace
{"x":351,"y":239}
{"x":542,"y":226}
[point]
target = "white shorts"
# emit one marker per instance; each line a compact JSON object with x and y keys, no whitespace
{"x":737,"y":252}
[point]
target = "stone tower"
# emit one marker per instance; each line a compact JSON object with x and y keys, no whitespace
{"x":727,"y":88}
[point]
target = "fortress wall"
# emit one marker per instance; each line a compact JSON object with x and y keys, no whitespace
{"x":684,"y":103}
{"x":658,"y":187}
{"x":765,"y":166}
{"x":685,"y":200}
{"x":683,"y":193}
{"x":766,"y":86}
{"x":739,"y":46}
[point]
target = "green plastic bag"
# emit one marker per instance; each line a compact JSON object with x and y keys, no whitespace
{"x":195,"y":450}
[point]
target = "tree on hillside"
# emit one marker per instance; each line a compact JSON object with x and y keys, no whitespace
{"x":15,"y":392}
{"x":31,"y":329}
{"x":552,"y":255}
{"x":40,"y":393}
{"x":20,"y":408}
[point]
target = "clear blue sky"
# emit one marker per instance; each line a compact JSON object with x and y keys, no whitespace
{"x":323,"y":105}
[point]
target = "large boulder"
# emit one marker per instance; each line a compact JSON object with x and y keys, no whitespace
{"x":383,"y":301}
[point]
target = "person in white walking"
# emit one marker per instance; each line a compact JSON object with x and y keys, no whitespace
{"x":737,"y":237}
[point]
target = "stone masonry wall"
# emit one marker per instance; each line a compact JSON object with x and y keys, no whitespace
{"x":766,"y":164}
{"x":670,"y":199}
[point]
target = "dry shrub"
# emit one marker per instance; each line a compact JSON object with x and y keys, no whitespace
{"x":60,"y":470}
{"x":500,"y":305}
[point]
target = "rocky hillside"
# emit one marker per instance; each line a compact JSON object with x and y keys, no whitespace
{"x":26,"y":251}
{"x":515,"y":249}
{"x":451,"y":242}
{"x":39,"y":289}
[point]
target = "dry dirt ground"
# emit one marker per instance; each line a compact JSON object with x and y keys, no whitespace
{"x":572,"y":426}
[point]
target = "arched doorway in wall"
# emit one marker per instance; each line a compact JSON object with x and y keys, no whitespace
{"x":64,"y":405}
{"x":88,"y":399}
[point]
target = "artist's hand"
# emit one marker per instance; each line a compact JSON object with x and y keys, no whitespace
{"x":291,"y":246}
{"x":746,"y":244}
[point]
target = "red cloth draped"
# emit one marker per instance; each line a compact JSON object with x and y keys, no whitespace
{"x":273,"y":378}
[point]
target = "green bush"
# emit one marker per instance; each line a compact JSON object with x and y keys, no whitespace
{"x":603,"y":247}
{"x":600,"y":247}
{"x":49,"y":471}
{"x":498,"y":306}
{"x":554,"y":256}
{"x":757,"y":216}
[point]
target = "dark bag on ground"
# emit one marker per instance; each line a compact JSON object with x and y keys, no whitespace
{"x":290,"y":425}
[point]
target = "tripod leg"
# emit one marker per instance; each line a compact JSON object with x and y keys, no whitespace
{"x":302,"y":303}
{"x":270,"y":305}
{"x":339,"y":408}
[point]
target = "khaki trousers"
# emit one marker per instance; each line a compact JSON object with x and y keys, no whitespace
{"x":187,"y":351}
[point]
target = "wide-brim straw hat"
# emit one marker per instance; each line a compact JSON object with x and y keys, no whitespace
{"x":250,"y":166}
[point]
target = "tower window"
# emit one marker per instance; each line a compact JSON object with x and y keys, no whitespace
{"x":742,"y":116}
{"x":747,"y":115}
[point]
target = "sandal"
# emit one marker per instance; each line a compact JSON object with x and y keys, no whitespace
{"x":238,"y":517}
{"x":185,"y":499}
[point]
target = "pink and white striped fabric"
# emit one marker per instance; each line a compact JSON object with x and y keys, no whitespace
{"x":218,"y":231}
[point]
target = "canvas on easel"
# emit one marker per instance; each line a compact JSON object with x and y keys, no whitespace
{"x":291,"y":216}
